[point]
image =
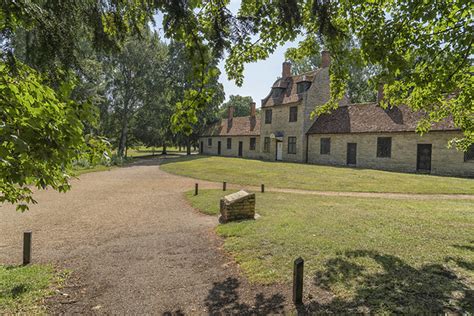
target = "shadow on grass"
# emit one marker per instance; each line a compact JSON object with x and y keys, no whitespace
{"x":16,"y":290}
{"x":223,"y":299}
{"x":398,"y":288}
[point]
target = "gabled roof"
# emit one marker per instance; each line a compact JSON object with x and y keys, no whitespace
{"x":240,"y":126}
{"x":289,"y":87}
{"x":369,"y":118}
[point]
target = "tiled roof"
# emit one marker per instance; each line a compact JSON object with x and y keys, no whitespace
{"x":369,"y":117}
{"x":289,"y":87}
{"x":240,"y":126}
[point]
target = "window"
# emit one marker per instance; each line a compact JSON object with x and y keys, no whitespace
{"x":266,"y":145}
{"x":229,"y":143}
{"x":384,"y":147}
{"x":302,"y":86}
{"x":325,"y":146}
{"x":209,"y":142}
{"x":268,"y":116}
{"x":253,"y":141}
{"x":469,"y":154}
{"x":277,"y":92}
{"x":292,"y":145}
{"x":293,"y":114}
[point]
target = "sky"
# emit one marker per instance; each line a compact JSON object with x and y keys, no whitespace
{"x":258,"y":77}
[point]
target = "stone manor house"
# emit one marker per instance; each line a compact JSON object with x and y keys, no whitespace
{"x":357,"y":135}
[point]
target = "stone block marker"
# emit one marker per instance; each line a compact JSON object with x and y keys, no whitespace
{"x":237,"y":206}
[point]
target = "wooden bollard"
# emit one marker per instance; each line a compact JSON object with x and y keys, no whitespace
{"x":26,"y":248}
{"x":224,"y":186}
{"x":263,"y":188}
{"x":298,"y":281}
{"x":196,"y":189}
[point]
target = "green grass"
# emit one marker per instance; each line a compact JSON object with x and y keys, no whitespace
{"x":22,"y":289}
{"x":148,"y":151}
{"x":313,"y":177}
{"x":96,"y":168}
{"x":388,"y":255}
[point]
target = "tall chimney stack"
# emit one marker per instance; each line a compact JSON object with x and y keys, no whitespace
{"x":325,"y":59}
{"x":286,"y":70}
{"x":230,"y":114}
{"x":380,"y":93}
{"x":252,"y":109}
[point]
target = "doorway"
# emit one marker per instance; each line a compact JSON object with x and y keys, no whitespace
{"x":351,"y":154}
{"x":201,"y":148}
{"x":423,"y":157}
{"x":279,"y":151}
{"x":219,"y":148}
{"x":241,"y":146}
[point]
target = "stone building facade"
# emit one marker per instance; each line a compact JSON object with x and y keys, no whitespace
{"x":233,"y":137}
{"x":356,"y":135}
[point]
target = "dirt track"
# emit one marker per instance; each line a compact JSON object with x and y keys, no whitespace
{"x":134,"y":246}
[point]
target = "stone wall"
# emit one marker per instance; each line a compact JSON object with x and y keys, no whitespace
{"x":317,"y":94}
{"x":233,"y":152}
{"x":237,"y":206}
{"x":444,"y":161}
{"x":281,"y":124}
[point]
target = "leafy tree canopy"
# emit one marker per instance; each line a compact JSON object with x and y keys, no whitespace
{"x":240,"y":103}
{"x":421,"y":50}
{"x":42,"y":126}
{"x":421,"y":47}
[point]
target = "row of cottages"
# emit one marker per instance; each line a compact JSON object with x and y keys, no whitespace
{"x":357,"y":135}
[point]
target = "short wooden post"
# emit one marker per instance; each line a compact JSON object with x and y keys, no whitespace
{"x":298,"y":281}
{"x":224,"y":186}
{"x":263,"y":188}
{"x":26,"y":248}
{"x":196,"y":189}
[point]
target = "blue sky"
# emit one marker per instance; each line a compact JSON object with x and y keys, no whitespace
{"x":258,"y":77}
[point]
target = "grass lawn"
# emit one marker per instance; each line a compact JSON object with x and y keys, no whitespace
{"x":313,"y":177}
{"x":22,"y":289}
{"x":96,"y":168}
{"x":376,"y":255}
{"x":148,"y":151}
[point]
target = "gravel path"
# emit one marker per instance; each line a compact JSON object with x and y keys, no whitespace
{"x":134,"y":246}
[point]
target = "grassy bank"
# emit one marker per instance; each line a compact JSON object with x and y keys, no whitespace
{"x":23,"y":289}
{"x":313,"y":177}
{"x":386,"y":255}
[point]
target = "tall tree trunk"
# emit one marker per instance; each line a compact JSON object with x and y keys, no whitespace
{"x":164,"y":150}
{"x":123,"y":139}
{"x":188,"y":147}
{"x":123,"y":132}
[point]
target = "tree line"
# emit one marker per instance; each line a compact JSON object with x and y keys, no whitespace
{"x":72,"y":72}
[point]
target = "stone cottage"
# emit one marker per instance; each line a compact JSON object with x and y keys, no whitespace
{"x":233,"y":137}
{"x":357,"y":135}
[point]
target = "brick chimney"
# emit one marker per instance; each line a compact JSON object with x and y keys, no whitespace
{"x":230,"y":114}
{"x":253,"y":119}
{"x":380,"y":93}
{"x":325,"y":59}
{"x":252,"y":109}
{"x":286,"y":70}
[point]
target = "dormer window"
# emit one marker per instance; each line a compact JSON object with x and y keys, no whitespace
{"x":277,"y":92}
{"x":302,"y":86}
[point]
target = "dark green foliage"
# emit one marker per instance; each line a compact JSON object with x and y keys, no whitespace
{"x":421,"y":48}
{"x":241,"y":106}
{"x":41,"y":134}
{"x":48,"y":48}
